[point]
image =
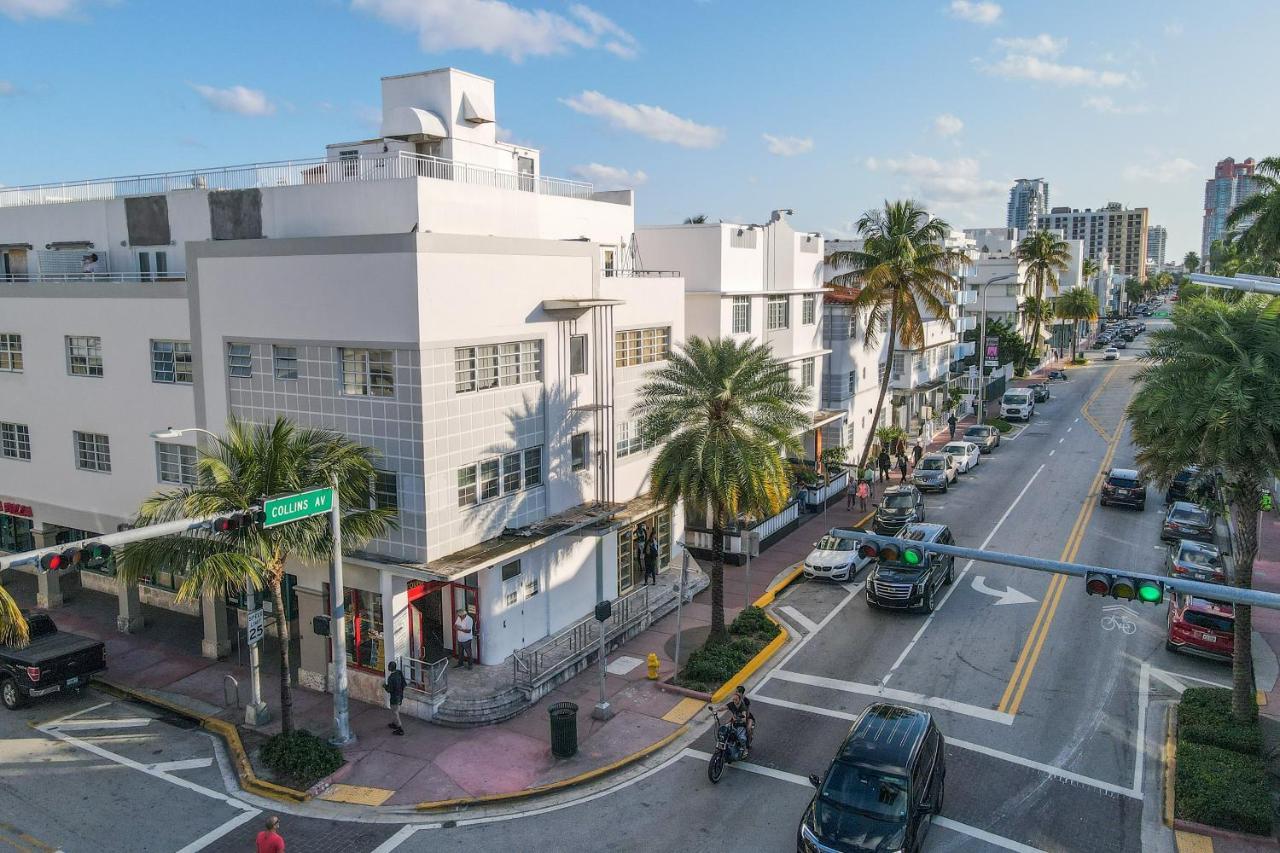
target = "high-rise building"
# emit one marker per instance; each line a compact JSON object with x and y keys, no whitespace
{"x":1028,"y":198}
{"x":1231,"y":184}
{"x":1113,"y":231}
{"x":1157,"y":239}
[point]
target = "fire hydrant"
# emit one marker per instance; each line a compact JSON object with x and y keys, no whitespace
{"x":653,"y":666}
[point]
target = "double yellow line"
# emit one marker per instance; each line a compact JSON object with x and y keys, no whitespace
{"x":1011,"y":700}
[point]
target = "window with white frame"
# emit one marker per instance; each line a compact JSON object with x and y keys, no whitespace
{"x":153,"y":264}
{"x":808,"y":309}
{"x":630,"y":439}
{"x":93,"y":452}
{"x":900,"y":362}
{"x":467,"y":486}
{"x":741,"y":315}
{"x":367,"y":373}
{"x":577,"y":355}
{"x":285,"y":361}
{"x":176,"y":463}
{"x":171,"y":362}
{"x":386,"y":491}
{"x":15,"y":441}
{"x":479,"y":368}
{"x":239,"y":361}
{"x":489,"y":483}
{"x":11,"y":353}
{"x":505,"y":475}
{"x":533,"y":467}
{"x":806,"y":373}
{"x":853,"y":382}
{"x":641,"y":346}
{"x":853,"y":325}
{"x":778,"y":313}
{"x":84,"y":355}
{"x":580,"y":450}
{"x":511,"y":467}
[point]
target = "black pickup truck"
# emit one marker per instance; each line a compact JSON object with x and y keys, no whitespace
{"x":52,"y":662}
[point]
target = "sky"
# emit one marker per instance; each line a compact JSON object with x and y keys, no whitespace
{"x":729,"y":108}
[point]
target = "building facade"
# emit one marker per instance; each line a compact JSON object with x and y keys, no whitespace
{"x":1117,"y":231}
{"x":1157,"y":241}
{"x":1230,"y":185}
{"x":1028,"y":199}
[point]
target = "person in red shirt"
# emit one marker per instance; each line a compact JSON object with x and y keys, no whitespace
{"x":269,"y":840}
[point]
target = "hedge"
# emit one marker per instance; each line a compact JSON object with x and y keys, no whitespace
{"x":1222,"y":788}
{"x":1001,"y":424}
{"x":1204,"y":717}
{"x":300,"y":757}
{"x":715,"y":663}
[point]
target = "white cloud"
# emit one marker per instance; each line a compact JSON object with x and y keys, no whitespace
{"x":494,"y":26}
{"x":942,"y":181}
{"x":609,"y":177}
{"x":236,"y":99}
{"x":653,"y":122}
{"x":1173,"y":29}
{"x":22,"y":9}
{"x":1041,"y":45}
{"x":1161,"y":171}
{"x":1107,"y":105}
{"x":947,"y":125}
{"x":788,"y":146}
{"x":7,"y":88}
{"x":873,"y":165}
{"x":980,"y":12}
{"x":1020,"y":66}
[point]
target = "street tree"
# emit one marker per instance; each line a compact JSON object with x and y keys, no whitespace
{"x":903,"y":273}
{"x":725,"y":415}
{"x":13,"y":627}
{"x":1045,"y":256}
{"x":235,"y":473}
{"x":1191,"y":262}
{"x":1089,"y":269}
{"x":1261,"y":237}
{"x":696,"y":219}
{"x":1209,"y":395}
{"x":1079,"y":304}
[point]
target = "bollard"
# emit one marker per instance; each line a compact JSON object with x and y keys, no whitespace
{"x":653,"y":666}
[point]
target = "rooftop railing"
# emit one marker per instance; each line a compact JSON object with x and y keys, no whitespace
{"x":287,"y":173}
{"x":92,"y":278}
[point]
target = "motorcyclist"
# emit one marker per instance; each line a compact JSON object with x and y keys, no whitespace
{"x":739,"y":708}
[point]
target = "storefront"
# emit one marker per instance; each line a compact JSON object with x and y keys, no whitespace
{"x":15,"y":530}
{"x":366,"y":645}
{"x":433,"y":606}
{"x":631,"y":545}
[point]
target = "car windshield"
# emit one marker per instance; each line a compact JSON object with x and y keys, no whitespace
{"x":1195,"y":555}
{"x":956,"y":449}
{"x":1122,"y":482}
{"x":867,"y":791}
{"x":1209,"y":621}
{"x":835,"y":543}
{"x":931,"y":464}
{"x":1189,"y":515}
{"x":899,"y":501}
{"x":1015,"y":398}
{"x":976,"y":432}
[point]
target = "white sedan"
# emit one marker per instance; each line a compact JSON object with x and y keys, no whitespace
{"x":1110,"y":354}
{"x":966,"y":454}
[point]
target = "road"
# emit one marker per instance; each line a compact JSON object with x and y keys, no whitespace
{"x":1053,"y":707}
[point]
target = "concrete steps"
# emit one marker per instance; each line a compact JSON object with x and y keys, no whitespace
{"x":461,"y":713}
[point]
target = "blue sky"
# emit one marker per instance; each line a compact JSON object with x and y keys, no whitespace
{"x":827,"y":108}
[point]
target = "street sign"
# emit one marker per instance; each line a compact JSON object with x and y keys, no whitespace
{"x":992,"y":358}
{"x":254,"y":623}
{"x":296,"y":507}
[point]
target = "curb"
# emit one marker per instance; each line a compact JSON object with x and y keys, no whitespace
{"x":755,"y":663}
{"x":1170,"y":758}
{"x":683,"y":691}
{"x":1224,"y":834}
{"x":249,"y":780}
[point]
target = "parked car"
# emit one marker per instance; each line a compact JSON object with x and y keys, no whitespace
{"x":1040,"y":391}
{"x":1184,"y":486}
{"x":935,"y":471}
{"x":1100,"y":343}
{"x":899,"y":585}
{"x":900,"y":506}
{"x":1058,"y":375}
{"x":883,"y":787}
{"x":53,"y":662}
{"x":835,"y":557}
{"x":1124,"y":486}
{"x":1202,"y":626}
{"x":1017,"y":404}
{"x":1195,"y":561}
{"x":1186,"y":520}
{"x":1110,"y":354}
{"x":986,"y":437}
{"x":1123,"y":343}
{"x":965,"y":453}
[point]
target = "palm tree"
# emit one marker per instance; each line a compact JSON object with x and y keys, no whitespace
{"x":1191,"y":262}
{"x":725,"y":414}
{"x":1089,"y":269}
{"x":13,"y":625}
{"x":696,"y":219}
{"x":902,"y":268}
{"x":252,"y":462}
{"x":1078,"y":303}
{"x":1262,"y":237}
{"x":1210,"y":396}
{"x":1045,"y":256}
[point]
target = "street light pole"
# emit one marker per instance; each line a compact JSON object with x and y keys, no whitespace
{"x":342,"y":734}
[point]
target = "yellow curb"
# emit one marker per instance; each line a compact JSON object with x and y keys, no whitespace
{"x":684,"y":710}
{"x":753,"y":664}
{"x":1170,"y":757}
{"x":458,"y":802}
{"x":1261,"y":698}
{"x":358,"y":795}
{"x":1189,"y":842}
{"x":771,"y":593}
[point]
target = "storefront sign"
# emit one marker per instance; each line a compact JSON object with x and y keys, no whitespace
{"x":993,"y":354}
{"x":13,"y":508}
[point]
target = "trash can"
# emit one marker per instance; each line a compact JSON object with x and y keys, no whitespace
{"x":564,"y":729}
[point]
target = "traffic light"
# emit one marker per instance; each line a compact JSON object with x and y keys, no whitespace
{"x":1122,"y":587}
{"x":891,"y":552}
{"x":234,"y":521}
{"x":70,"y":558}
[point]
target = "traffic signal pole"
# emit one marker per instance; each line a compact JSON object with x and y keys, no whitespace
{"x":124,"y":537}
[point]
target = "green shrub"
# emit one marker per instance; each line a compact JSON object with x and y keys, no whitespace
{"x":753,"y":622}
{"x":301,"y":757}
{"x":1001,"y":424}
{"x":1222,"y":788}
{"x":1080,"y":359}
{"x":1204,"y":716}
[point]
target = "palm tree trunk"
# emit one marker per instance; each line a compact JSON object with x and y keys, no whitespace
{"x":1035,"y":326}
{"x":718,"y":632}
{"x":1075,"y":334}
{"x":282,"y":624}
{"x":884,"y":390}
{"x":1244,"y":518}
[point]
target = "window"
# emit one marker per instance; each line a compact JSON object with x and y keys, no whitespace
{"x":15,"y":441}
{"x":84,"y":356}
{"x":630,"y":440}
{"x":808,"y":309}
{"x":386,"y":492}
{"x":579,"y":447}
{"x":853,"y":325}
{"x":176,"y":463}
{"x":149,"y":271}
{"x":11,"y":353}
{"x":239,"y":361}
{"x":853,"y":381}
{"x":364,"y":628}
{"x":533,"y":467}
{"x":171,"y":362}
{"x":467,"y":486}
{"x":778,"y":312}
{"x":349,"y":162}
{"x":641,"y":346}
{"x":93,"y":452}
{"x":285,"y":360}
{"x":806,"y":373}
{"x":741,"y":315}
{"x":577,"y":355}
{"x":488,"y":479}
{"x":607,"y":260}
{"x":511,"y":472}
{"x":15,"y":534}
{"x":510,"y":571}
{"x":367,"y":373}
{"x":494,"y":365}
{"x":742,"y":238}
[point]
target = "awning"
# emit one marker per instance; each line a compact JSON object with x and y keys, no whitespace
{"x":827,"y":416}
{"x":4,"y":247}
{"x":58,"y":245}
{"x":1045,"y":334}
{"x":476,"y":109}
{"x":411,"y":121}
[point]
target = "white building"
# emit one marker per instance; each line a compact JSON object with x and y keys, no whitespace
{"x":1028,"y":198}
{"x":429,"y":294}
{"x":1117,"y":231}
{"x":1157,"y":240}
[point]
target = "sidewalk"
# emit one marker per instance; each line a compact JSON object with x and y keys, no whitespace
{"x":1266,"y":622}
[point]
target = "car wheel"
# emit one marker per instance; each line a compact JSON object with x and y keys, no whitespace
{"x":945,"y":484}
{"x":1170,"y":646}
{"x":1142,"y":506}
{"x":1102,"y":502}
{"x":11,"y":695}
{"x":951,"y":569}
{"x":928,"y":599}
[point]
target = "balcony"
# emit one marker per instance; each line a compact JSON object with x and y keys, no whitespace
{"x":92,"y":278}
{"x":967,"y":323}
{"x":289,"y":173}
{"x":962,"y":350}
{"x":964,"y":297}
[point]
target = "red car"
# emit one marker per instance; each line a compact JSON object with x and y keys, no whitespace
{"x":1201,"y":626}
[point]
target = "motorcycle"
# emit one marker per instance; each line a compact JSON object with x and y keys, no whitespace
{"x":731,"y":744}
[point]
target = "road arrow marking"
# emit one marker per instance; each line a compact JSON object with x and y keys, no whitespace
{"x":1008,"y":596}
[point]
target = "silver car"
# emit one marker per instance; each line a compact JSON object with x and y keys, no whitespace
{"x":935,"y":471}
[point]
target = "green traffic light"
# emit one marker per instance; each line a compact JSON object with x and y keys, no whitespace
{"x":1150,"y":593}
{"x":911,"y":557}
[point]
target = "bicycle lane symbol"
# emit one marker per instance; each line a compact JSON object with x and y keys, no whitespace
{"x":1117,"y":617}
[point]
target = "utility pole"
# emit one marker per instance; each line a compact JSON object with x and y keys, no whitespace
{"x":342,"y":734}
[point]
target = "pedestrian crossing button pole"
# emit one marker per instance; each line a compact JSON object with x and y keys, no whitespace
{"x":603,"y":710}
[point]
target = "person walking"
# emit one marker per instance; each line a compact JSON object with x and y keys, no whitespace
{"x":902,"y":467}
{"x":884,"y":464}
{"x":269,"y":840}
{"x":464,"y":634}
{"x":951,"y":425}
{"x":900,"y":446}
{"x":394,"y":685}
{"x":850,"y":493}
{"x":916,"y":452}
{"x":651,"y":561}
{"x":864,"y":492}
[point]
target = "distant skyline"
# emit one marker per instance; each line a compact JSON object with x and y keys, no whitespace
{"x":728,"y":109}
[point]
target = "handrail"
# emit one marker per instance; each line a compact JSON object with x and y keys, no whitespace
{"x":430,"y":678}
{"x":230,"y":687}
{"x":640,"y":273}
{"x":91,"y":277}
{"x":580,"y":640}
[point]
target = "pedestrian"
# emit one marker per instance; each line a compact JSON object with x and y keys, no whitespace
{"x":651,"y":560}
{"x":902,"y":467}
{"x":269,"y":840}
{"x":900,"y":446}
{"x":642,"y":536}
{"x":463,"y":635}
{"x":394,"y":685}
{"x":951,"y":425}
{"x":89,"y":265}
{"x":884,"y":464}
{"x":849,"y":493}
{"x":864,"y":492}
{"x":916,"y":453}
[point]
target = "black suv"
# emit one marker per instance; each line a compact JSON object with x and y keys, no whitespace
{"x":901,"y":505}
{"x":1186,"y":485}
{"x":883,"y":787}
{"x":901,"y":585}
{"x":1124,"y":486}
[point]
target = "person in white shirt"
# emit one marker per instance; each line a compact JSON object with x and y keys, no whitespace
{"x":90,"y":265}
{"x":464,"y":635}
